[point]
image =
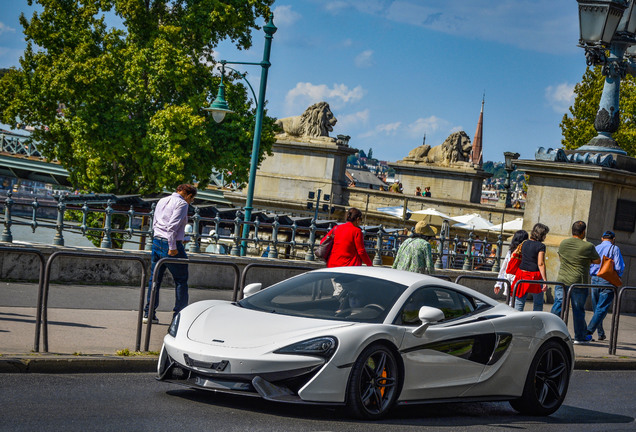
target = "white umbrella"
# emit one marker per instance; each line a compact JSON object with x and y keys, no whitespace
{"x":473,"y":221}
{"x":397,"y":211}
{"x":513,"y":225}
{"x":431,"y":216}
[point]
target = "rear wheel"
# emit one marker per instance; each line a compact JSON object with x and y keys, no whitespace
{"x":374,"y":383}
{"x":547,"y":381}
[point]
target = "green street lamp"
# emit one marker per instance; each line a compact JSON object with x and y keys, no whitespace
{"x":221,"y":108}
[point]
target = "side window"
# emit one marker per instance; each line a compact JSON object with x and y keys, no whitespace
{"x":454,"y":304}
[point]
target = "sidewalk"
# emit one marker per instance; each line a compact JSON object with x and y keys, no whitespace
{"x":87,"y":340}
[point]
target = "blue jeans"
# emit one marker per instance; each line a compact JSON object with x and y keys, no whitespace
{"x":558,"y":300}
{"x":602,"y":300}
{"x":578,"y":298}
{"x":179,"y":274}
{"x":537,"y":300}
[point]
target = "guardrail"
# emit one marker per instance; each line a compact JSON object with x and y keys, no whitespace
{"x":616,"y":302}
{"x":42,"y":309}
{"x":616,"y":311}
{"x":153,"y":293}
{"x":40,"y":255}
{"x":513,"y":295}
{"x":263,"y":265}
{"x":487,"y":278}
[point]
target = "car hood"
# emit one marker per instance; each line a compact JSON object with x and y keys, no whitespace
{"x":232,"y":326}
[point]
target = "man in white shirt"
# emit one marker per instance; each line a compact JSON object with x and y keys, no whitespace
{"x":168,"y":226}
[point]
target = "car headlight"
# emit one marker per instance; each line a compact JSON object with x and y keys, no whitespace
{"x":174,"y":325}
{"x":323,"y":347}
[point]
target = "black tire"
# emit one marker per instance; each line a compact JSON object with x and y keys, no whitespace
{"x":547,"y":381}
{"x":374,"y":383}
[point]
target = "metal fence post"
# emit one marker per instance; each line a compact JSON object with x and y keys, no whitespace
{"x":6,"y":234}
{"x":236,"y":250}
{"x":34,"y":221}
{"x":58,"y":240}
{"x":151,"y":217}
{"x":497,"y":265}
{"x":377,"y":259}
{"x":440,"y":251}
{"x":273,"y":251}
{"x":195,"y":239}
{"x":469,"y":253}
{"x":309,"y":256}
{"x":106,"y":239}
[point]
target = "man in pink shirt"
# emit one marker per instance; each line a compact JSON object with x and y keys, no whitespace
{"x":168,"y":226}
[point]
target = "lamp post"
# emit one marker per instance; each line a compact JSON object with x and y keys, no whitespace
{"x":608,"y":25}
{"x":219,"y":110}
{"x":509,"y":167}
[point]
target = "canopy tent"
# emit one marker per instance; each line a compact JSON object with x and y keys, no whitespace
{"x":513,"y":225}
{"x":396,"y":211}
{"x":432,"y":216}
{"x":473,"y":221}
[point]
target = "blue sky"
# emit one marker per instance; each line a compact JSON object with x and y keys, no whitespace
{"x":394,"y":70}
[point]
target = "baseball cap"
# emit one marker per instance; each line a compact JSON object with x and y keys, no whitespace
{"x":609,"y":234}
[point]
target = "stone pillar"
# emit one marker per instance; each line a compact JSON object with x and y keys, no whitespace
{"x":604,"y":198}
{"x":461,"y":182}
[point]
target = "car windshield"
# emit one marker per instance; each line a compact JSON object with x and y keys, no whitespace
{"x":325,"y":295}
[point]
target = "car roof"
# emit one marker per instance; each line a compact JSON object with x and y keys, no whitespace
{"x":387,"y":273}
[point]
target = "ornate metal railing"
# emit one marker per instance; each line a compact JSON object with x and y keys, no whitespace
{"x":19,"y":145}
{"x":271,"y":237}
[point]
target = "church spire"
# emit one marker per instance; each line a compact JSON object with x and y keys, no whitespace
{"x":476,"y":155}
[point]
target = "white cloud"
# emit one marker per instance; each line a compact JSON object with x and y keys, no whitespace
{"x":522,"y":23}
{"x":364,"y":59}
{"x":428,"y":125}
{"x":347,"y":42}
{"x":285,"y":16}
{"x":560,"y":97}
{"x":306,"y":94}
{"x":383,"y":129}
{"x":5,"y":28}
{"x":349,"y":121}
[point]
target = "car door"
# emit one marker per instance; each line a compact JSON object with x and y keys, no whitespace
{"x":451,"y":355}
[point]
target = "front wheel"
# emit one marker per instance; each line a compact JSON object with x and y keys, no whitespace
{"x":547,"y":381}
{"x":374,"y":383}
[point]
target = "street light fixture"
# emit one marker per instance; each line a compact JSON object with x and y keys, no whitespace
{"x":219,"y":107}
{"x":219,"y":110}
{"x":608,"y":25}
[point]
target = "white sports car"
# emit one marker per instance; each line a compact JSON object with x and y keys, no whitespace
{"x":370,"y":338}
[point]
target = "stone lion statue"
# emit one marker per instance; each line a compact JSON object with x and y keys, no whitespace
{"x":317,"y":121}
{"x":455,"y":149}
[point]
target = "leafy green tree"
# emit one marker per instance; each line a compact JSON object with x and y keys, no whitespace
{"x":578,"y":126}
{"x":121,"y":107}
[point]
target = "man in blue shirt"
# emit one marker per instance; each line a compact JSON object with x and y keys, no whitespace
{"x":602,"y":298}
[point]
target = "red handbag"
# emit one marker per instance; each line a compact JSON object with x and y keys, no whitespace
{"x":514,"y":261}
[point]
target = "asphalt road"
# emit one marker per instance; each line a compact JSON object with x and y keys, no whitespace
{"x":597,"y":401}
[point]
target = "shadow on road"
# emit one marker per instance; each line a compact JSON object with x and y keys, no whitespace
{"x":446,"y":414}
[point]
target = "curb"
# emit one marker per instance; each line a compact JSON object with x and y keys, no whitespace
{"x":77,"y":364}
{"x":609,"y":364}
{"x":111,"y":364}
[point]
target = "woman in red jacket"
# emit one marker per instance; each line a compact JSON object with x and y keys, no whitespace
{"x":348,"y":245}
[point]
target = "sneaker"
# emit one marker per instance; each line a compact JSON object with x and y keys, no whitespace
{"x":601,"y":338}
{"x":155,"y":320}
{"x":588,"y":338}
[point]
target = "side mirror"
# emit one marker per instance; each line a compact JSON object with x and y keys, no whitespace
{"x":427,"y":315}
{"x":252,"y":289}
